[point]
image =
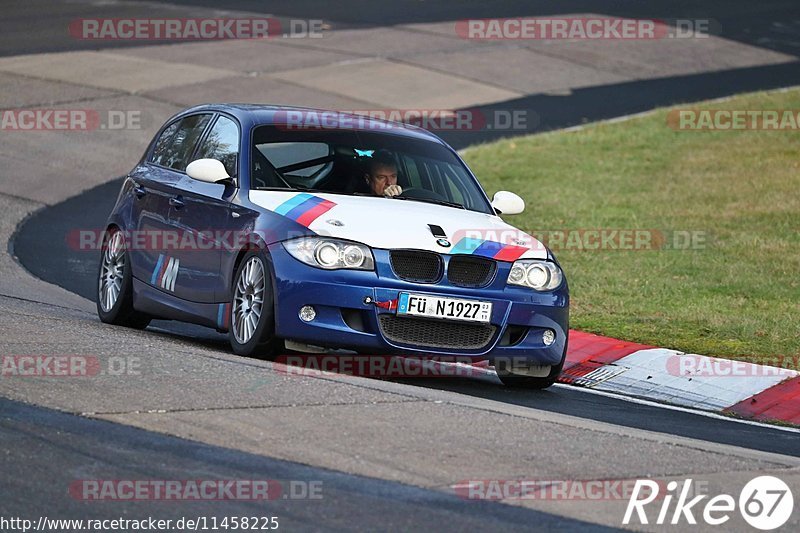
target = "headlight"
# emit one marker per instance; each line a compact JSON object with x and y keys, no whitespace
{"x":330,"y":254}
{"x":539,"y":275}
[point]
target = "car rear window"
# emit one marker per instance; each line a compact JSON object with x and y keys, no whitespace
{"x":176,"y":144}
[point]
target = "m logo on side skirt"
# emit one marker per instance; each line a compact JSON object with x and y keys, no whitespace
{"x":165,"y":273}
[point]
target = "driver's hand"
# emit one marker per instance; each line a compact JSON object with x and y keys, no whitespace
{"x":392,"y":190}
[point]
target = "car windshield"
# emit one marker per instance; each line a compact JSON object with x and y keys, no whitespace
{"x":339,"y":161}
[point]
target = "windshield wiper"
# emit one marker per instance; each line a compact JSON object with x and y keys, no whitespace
{"x":308,"y":189}
{"x":290,"y":188}
{"x":430,"y":201}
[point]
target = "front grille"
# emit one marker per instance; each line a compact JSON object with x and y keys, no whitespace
{"x":470,"y":271}
{"x":436,"y":333}
{"x":413,"y":265}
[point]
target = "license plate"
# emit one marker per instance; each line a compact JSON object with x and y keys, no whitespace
{"x":447,"y":308}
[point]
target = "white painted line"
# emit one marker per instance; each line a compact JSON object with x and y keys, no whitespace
{"x":489,"y":375}
{"x":707,"y":414}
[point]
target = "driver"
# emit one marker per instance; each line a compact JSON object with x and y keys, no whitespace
{"x":381,"y":175}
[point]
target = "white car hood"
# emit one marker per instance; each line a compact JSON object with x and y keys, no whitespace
{"x":400,"y":224}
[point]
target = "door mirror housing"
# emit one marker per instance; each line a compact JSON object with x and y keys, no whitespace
{"x":508,"y":203}
{"x":208,"y":170}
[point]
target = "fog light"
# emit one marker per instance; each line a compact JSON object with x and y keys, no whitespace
{"x":307,"y":313}
{"x":549,"y":337}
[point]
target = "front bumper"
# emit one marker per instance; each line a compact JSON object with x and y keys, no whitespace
{"x":347,"y":315}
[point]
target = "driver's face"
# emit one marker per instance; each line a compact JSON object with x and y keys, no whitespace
{"x":381,"y":177}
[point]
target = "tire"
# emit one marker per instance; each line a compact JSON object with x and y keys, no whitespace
{"x":115,"y":284}
{"x":252,"y":324}
{"x":510,"y":379}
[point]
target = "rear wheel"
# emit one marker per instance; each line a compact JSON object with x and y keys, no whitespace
{"x":115,"y":285}
{"x":252,"y":329}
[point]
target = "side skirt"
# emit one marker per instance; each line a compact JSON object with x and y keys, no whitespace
{"x":152,"y":301}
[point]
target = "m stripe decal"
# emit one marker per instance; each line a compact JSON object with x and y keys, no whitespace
{"x":223,"y":316}
{"x":314,"y":212}
{"x":170,"y":274}
{"x":488,"y":249}
{"x":292,"y":202}
{"x":165,"y":273}
{"x":510,"y":253}
{"x":304,"y":208}
{"x":491,"y":249}
{"x":466,"y":245}
{"x":157,"y":269}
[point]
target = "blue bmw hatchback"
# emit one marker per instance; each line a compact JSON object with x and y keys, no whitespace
{"x":299,"y":228}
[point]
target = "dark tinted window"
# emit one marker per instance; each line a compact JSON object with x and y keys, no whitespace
{"x":175,"y":146}
{"x":286,"y":154}
{"x":336,"y":161}
{"x":222,"y":144}
{"x":164,"y":141}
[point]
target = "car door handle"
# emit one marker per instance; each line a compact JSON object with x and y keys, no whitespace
{"x":176,"y":202}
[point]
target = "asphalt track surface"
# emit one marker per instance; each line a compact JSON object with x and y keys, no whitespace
{"x":349,"y":502}
{"x":43,"y":450}
{"x":23,"y":29}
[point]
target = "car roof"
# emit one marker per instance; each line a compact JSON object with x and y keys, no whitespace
{"x":267,"y":114}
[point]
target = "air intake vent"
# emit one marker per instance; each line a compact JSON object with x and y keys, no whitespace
{"x":470,"y":271}
{"x":416,"y":266}
{"x":436,"y":333}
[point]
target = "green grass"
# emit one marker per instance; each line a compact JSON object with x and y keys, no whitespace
{"x":739,"y":296}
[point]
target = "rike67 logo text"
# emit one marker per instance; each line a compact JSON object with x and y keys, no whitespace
{"x":765,"y":503}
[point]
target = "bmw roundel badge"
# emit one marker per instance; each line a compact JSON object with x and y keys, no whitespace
{"x":443,"y":242}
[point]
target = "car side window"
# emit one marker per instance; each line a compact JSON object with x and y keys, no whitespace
{"x":222,"y":144}
{"x":164,"y":141}
{"x":176,"y":144}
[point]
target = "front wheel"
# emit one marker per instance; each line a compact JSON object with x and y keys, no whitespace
{"x":252,"y":330}
{"x":115,"y":285}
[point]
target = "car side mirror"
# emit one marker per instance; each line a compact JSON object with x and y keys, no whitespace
{"x":508,"y":203}
{"x":208,"y":170}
